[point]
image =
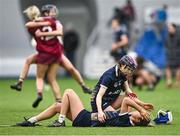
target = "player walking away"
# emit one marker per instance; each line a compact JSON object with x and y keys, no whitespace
{"x":72,"y":108}
{"x":108,"y":92}
{"x":51,"y":11}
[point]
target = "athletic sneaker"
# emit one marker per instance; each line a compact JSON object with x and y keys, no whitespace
{"x":25,"y":123}
{"x":17,"y":86}
{"x":37,"y":101}
{"x":56,"y":123}
{"x":86,"y":89}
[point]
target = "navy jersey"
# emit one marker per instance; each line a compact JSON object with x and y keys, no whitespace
{"x":118,"y":120}
{"x":118,"y":34}
{"x":114,"y":119}
{"x":114,"y":82}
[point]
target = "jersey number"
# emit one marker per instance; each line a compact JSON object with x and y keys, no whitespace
{"x":47,"y":29}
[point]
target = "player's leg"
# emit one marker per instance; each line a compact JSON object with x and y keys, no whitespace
{"x":52,"y":71}
{"x":71,"y":100}
{"x":49,"y":112}
{"x":118,"y":102}
{"x":41,"y":70}
{"x":74,"y":72}
{"x":177,"y":77}
{"x":29,"y":60}
{"x":140,"y":81}
{"x":147,"y":78}
{"x":168,"y":77}
{"x":71,"y":106}
{"x":46,"y":114}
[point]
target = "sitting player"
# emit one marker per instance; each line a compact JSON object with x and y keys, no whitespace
{"x":108,"y":93}
{"x":73,"y":108}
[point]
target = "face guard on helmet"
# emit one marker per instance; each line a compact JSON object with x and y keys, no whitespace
{"x":129,"y":63}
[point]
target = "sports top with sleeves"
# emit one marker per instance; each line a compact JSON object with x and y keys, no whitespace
{"x":114,"y":119}
{"x":113,"y":81}
{"x":49,"y":48}
{"x":117,"y":35}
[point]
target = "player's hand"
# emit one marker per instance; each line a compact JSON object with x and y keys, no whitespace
{"x":38,"y":33}
{"x":132,"y":95}
{"x":114,"y":47}
{"x":145,"y":115}
{"x":39,"y":19}
{"x":148,"y":106}
{"x":101,"y":116}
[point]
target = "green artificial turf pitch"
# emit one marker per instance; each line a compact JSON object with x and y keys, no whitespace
{"x":15,"y":105}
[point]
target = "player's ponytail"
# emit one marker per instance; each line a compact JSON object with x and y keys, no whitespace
{"x":32,"y":12}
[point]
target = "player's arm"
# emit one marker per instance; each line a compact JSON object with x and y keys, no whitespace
{"x":147,"y":106}
{"x":101,"y":115}
{"x":133,"y":96}
{"x":128,"y":90}
{"x":128,"y":102}
{"x":124,"y":41}
{"x":32,"y":24}
{"x":57,"y":32}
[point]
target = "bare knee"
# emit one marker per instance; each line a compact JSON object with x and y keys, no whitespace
{"x":69,"y":92}
{"x":51,"y":78}
{"x":57,"y":107}
{"x":29,"y":60}
{"x":139,"y":81}
{"x":71,"y":69}
{"x":126,"y":100}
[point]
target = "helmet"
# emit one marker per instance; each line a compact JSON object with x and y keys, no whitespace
{"x":48,"y":7}
{"x":128,"y":61}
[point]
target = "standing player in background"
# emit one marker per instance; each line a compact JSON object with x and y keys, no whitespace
{"x":107,"y":94}
{"x":173,"y":56}
{"x":49,"y":51}
{"x":51,"y":11}
{"x":121,"y":40}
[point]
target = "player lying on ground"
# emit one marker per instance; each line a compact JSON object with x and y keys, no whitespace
{"x":72,"y":108}
{"x":51,"y":11}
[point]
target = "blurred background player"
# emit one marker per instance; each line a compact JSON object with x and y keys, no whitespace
{"x":46,"y":11}
{"x":71,"y":42}
{"x":147,"y":73}
{"x":173,"y":55}
{"x":118,"y":48}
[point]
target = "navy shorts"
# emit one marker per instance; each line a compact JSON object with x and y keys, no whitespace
{"x":83,"y":119}
{"x":94,"y":106}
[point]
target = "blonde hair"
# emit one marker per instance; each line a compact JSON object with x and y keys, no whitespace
{"x":32,"y":12}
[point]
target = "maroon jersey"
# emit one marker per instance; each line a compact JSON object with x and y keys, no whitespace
{"x":48,"y":47}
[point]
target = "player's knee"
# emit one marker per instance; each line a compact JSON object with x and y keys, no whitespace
{"x":139,"y":81}
{"x":51,"y":78}
{"x":125,"y":100}
{"x":28,"y":61}
{"x":69,"y":91}
{"x":57,"y":107}
{"x":71,"y":69}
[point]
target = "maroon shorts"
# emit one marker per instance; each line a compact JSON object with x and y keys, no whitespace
{"x":45,"y":58}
